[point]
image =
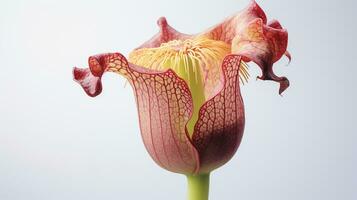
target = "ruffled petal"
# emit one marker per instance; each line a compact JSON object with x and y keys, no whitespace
{"x":219,"y":129}
{"x":264,"y":45}
{"x":164,"y":108}
{"x":255,"y":40}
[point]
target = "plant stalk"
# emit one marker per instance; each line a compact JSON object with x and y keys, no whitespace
{"x":198,"y":186}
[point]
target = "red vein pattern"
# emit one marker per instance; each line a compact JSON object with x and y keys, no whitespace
{"x":165,"y":102}
{"x":164,"y":107}
{"x":219,"y":129}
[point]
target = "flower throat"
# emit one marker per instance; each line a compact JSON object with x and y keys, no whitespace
{"x":188,"y":58}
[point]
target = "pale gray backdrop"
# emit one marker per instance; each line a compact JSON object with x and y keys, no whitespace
{"x":56,"y":143}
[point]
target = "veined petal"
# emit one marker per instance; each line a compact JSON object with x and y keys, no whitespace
{"x":219,"y":129}
{"x":164,"y":108}
{"x":251,"y":37}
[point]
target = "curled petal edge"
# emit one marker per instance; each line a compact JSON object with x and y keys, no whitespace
{"x":263,"y":45}
{"x":255,"y":40}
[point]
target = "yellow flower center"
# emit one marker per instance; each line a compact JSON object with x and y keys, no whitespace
{"x":188,"y":58}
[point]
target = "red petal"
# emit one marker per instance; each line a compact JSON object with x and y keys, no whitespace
{"x":219,"y":129}
{"x":264,"y":45}
{"x":164,"y":107}
{"x":254,"y":40}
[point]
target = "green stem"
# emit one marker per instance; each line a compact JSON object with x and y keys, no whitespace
{"x":198,"y":187}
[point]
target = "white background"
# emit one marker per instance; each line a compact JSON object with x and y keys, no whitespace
{"x":57,"y":143}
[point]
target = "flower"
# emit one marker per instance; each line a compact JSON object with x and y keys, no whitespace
{"x":187,"y":86}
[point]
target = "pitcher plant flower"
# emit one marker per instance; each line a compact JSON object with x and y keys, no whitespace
{"x":187,"y":89}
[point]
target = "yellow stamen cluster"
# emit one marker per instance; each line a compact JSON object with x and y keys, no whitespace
{"x":188,"y":58}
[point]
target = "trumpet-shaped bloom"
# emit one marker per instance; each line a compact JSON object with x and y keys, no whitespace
{"x":187,"y":86}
